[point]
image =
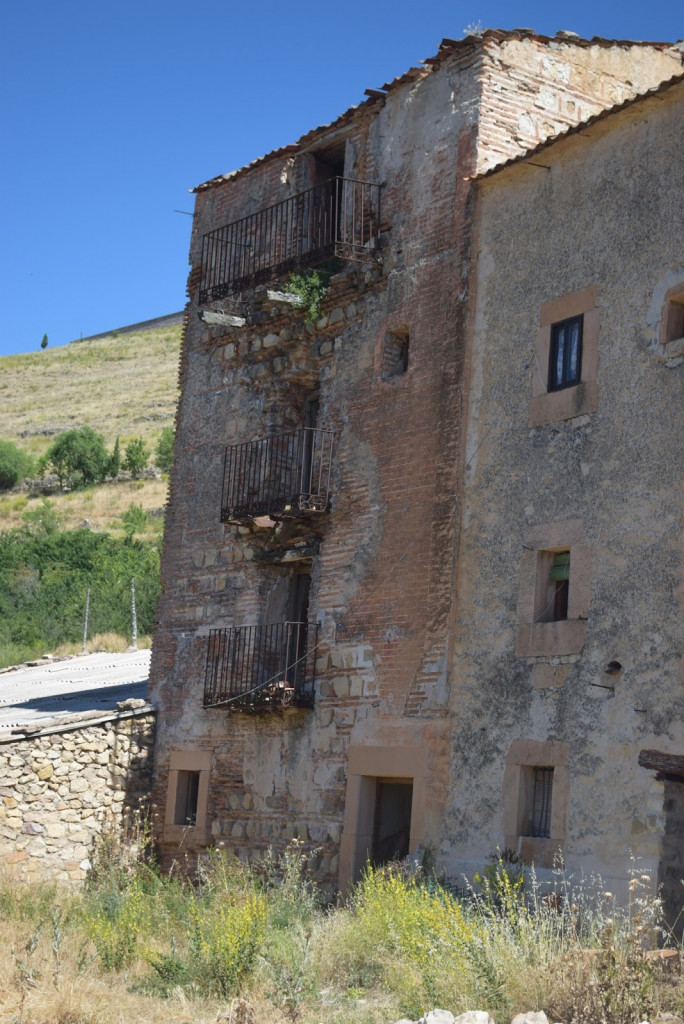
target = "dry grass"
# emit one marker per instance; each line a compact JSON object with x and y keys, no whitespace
{"x":99,"y":507}
{"x":71,"y":995}
{"x":123,"y":385}
{"x":113,"y":643}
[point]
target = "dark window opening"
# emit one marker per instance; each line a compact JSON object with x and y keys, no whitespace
{"x":565,"y":358}
{"x":298,"y":615}
{"x":542,"y":791}
{"x":395,"y":352}
{"x":187,"y":789}
{"x":553,"y":586}
{"x":392,"y":821}
{"x":560,"y":579}
{"x":674,"y":326}
{"x":329,"y":164}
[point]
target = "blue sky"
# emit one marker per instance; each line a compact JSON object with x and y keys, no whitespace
{"x":110,"y":113}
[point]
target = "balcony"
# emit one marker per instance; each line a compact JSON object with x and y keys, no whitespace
{"x":339,"y":217}
{"x":261,"y":667}
{"x":283,"y":475}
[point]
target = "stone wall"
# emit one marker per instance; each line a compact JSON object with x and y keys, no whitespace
{"x":61,"y":787}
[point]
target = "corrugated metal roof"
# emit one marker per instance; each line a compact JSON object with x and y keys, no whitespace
{"x":581,"y":126}
{"x":446,"y":49}
{"x":65,"y":690}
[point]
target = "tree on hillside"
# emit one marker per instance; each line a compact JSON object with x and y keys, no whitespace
{"x":78,"y":457}
{"x":114,"y":461}
{"x":164,"y":450}
{"x":14,"y":465}
{"x":44,"y":342}
{"x":136,"y":457}
{"x":134,"y":520}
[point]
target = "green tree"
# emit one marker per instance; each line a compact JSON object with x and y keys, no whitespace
{"x":44,"y":342}
{"x":114,"y":461}
{"x":136,"y":457}
{"x":14,"y":465}
{"x":134,"y":520}
{"x":164,"y":450}
{"x":78,"y":457}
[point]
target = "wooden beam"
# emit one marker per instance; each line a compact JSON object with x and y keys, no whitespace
{"x":671,"y":765}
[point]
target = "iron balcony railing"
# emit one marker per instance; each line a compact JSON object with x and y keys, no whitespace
{"x":261,"y":666}
{"x":339,"y":217}
{"x":280,"y":475}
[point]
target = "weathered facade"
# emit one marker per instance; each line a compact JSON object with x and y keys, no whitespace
{"x":307,"y":662}
{"x":588,"y":231}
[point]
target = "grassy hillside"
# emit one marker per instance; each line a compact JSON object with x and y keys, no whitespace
{"x":122,"y":385}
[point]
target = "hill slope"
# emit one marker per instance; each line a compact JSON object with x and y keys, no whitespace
{"x":122,"y":385}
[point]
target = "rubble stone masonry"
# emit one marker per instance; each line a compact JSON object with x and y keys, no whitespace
{"x":61,"y":788}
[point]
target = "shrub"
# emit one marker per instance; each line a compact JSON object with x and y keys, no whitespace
{"x":405,"y":935}
{"x":78,"y":457}
{"x":44,"y":341}
{"x":41,"y":519}
{"x":135,"y":459}
{"x":134,"y":520}
{"x":164,"y":450}
{"x":14,"y":465}
{"x":114,"y":460}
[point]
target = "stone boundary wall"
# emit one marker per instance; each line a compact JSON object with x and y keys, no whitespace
{"x":170,"y":320}
{"x":59,"y":788}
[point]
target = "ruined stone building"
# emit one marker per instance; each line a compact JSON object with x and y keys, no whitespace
{"x":417,"y":593}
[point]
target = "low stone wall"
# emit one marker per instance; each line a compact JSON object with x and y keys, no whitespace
{"x":61,"y":786}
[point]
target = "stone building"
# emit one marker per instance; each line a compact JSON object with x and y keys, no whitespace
{"x":76,"y":740}
{"x":311,"y":670}
{"x":568,"y":670}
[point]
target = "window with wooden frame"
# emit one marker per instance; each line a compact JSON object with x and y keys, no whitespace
{"x":535,"y":799}
{"x":565,"y":365}
{"x":187,"y":794}
{"x":565,"y":355}
{"x":555,"y":590}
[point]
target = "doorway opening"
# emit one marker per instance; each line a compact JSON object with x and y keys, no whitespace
{"x":391,"y":820}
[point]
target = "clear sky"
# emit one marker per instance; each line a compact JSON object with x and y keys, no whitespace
{"x":112,"y":112}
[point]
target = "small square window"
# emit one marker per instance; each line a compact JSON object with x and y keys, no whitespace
{"x":395,"y":352}
{"x":187,"y":791}
{"x":565,"y":356}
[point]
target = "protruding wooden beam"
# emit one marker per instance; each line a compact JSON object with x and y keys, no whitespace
{"x":671,"y":765}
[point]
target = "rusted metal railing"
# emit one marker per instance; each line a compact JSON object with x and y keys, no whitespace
{"x":339,"y":217}
{"x":261,"y":666}
{"x":281,"y":475}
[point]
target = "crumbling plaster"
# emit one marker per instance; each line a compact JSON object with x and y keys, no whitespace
{"x":384,"y":560}
{"x":603,"y":214}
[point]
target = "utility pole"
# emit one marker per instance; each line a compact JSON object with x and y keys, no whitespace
{"x":134,"y":620}
{"x":85,"y":621}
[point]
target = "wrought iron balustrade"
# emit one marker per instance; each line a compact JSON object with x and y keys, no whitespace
{"x":281,"y":475}
{"x":339,"y":217}
{"x":261,"y":666}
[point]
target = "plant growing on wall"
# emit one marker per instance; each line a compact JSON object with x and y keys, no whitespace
{"x":311,"y":286}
